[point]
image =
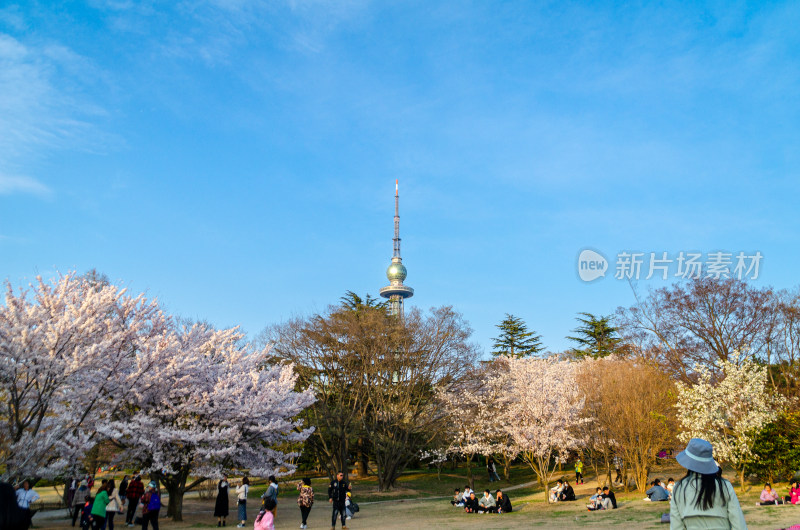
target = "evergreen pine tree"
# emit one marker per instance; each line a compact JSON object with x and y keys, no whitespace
{"x":596,"y":337}
{"x":515,"y":340}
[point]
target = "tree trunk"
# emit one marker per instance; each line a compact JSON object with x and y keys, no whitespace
{"x":741,"y":479}
{"x":176,"y":488}
{"x":506,"y":465}
{"x":470,"y":478}
{"x":362,"y":460}
{"x":625,"y":476}
{"x":175,"y":504}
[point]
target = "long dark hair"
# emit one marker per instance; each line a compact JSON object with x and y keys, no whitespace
{"x":707,"y":490}
{"x":11,"y":515}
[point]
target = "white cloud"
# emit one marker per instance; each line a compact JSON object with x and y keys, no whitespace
{"x":10,"y":184}
{"x":43,"y":104}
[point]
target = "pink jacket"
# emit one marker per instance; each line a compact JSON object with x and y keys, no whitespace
{"x":795,"y":492}
{"x":770,"y":496}
{"x":266,"y":523}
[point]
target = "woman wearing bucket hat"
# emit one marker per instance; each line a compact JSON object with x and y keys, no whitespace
{"x":703,"y":499}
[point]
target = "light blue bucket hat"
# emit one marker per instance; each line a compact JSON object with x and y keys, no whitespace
{"x":698,"y":457}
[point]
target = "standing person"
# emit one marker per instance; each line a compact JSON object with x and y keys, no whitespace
{"x":151,"y":504}
{"x":133,"y":494}
{"x":123,"y":487}
{"x":579,"y":472}
{"x":12,"y":517}
{"x":491,"y":467}
{"x":102,"y":486}
{"x":305,"y":500}
{"x":272,"y":490}
{"x":114,"y":504}
{"x":241,"y":501}
{"x":79,"y":500}
{"x":99,"y":508}
{"x":703,"y":499}
{"x":71,"y":487}
{"x":221,"y":506}
{"x":266,"y":517}
{"x":337,"y":496}
{"x":26,"y":496}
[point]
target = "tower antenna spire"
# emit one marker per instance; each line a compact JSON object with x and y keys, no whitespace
{"x":396,"y":292}
{"x":396,"y":253}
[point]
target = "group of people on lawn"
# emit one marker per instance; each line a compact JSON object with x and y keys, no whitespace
{"x":602,"y":499}
{"x":770,"y":496}
{"x":468,"y":500}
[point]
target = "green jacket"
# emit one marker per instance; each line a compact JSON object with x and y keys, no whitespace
{"x":100,"y":503}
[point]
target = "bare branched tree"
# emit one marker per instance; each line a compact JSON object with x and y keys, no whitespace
{"x":701,"y":321}
{"x":376,"y":378}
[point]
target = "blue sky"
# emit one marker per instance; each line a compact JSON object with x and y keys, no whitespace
{"x":237,"y":159}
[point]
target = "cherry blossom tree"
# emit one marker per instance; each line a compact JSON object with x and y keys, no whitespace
{"x":728,"y":412}
{"x":541,"y":410}
{"x":214,"y":407}
{"x":66,"y":348}
{"x":436,"y":457}
{"x":470,"y":426}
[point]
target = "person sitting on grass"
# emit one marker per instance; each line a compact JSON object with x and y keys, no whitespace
{"x":609,"y":498}
{"x":503,"y":502}
{"x":769,"y":496}
{"x":595,"y":501}
{"x":487,"y":504}
{"x":555,"y":491}
{"x":458,"y":500}
{"x":657,"y":493}
{"x":567,"y":494}
{"x":467,"y":491}
{"x":670,"y":485}
{"x":794,"y":493}
{"x":471,"y":504}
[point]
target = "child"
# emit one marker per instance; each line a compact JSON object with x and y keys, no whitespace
{"x":266,"y":517}
{"x":350,"y":507}
{"x":86,"y":514}
{"x":458,"y":500}
{"x":596,"y":500}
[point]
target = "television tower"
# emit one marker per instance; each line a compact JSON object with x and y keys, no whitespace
{"x":396,"y":292}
